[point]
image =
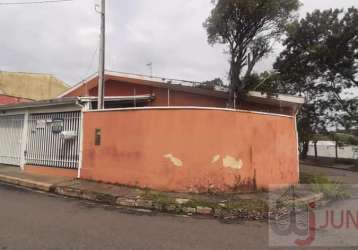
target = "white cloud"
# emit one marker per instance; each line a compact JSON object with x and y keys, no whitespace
{"x":62,"y":38}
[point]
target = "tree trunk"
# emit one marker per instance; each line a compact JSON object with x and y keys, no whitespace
{"x":315,"y":149}
{"x":231,"y":103}
{"x":336,"y":150}
{"x":304,"y":150}
{"x":235,"y":82}
{"x":232,"y":88}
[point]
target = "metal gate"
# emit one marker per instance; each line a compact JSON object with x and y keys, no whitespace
{"x":54,"y":140}
{"x":11,"y":129}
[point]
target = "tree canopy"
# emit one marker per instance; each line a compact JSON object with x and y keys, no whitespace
{"x":320,"y":61}
{"x":248,"y":28}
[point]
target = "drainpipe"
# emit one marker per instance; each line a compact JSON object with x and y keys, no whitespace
{"x":297,"y":141}
{"x":84,"y":107}
{"x":24,"y":138}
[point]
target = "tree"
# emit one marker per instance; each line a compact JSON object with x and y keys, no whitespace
{"x":311,"y":125}
{"x":321,"y":57}
{"x":268,"y":82}
{"x":320,"y":61}
{"x":248,"y":28}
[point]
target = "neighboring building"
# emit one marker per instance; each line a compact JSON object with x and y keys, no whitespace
{"x":327,"y":149}
{"x":6,"y":99}
{"x":30,"y":86}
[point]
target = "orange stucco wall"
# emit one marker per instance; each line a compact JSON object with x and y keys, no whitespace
{"x":190,"y":150}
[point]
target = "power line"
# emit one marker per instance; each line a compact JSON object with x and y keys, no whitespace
{"x":35,"y":2}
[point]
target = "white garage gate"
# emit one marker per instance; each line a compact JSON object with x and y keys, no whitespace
{"x":53,"y":140}
{"x":11,"y":131}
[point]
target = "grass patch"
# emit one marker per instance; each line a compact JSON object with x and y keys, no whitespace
{"x":248,"y":205}
{"x":332,"y":190}
{"x":158,"y":198}
{"x":244,"y":205}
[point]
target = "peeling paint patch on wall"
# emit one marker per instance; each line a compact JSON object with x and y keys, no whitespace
{"x":232,"y":162}
{"x":176,"y":161}
{"x":216,"y":158}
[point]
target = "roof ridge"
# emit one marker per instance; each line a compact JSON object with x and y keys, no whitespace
{"x":19,"y":97}
{"x":155,"y":77}
{"x":28,"y":73}
{"x":38,"y":74}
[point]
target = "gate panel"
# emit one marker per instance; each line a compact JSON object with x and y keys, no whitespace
{"x":53,"y":140}
{"x":11,"y":128}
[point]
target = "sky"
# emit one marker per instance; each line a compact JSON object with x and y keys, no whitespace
{"x":62,"y":38}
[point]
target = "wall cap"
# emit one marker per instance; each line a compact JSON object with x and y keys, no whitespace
{"x":188,"y":108}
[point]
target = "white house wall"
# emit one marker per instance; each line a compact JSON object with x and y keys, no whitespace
{"x":11,"y":131}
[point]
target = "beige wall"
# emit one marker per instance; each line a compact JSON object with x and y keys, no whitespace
{"x":31,"y":86}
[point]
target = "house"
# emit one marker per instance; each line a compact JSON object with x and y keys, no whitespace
{"x":176,"y":93}
{"x":156,"y":133}
{"x":21,"y":87}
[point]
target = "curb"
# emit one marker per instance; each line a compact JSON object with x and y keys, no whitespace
{"x":46,"y":187}
{"x":311,"y":198}
{"x":134,"y":202}
{"x":177,"y":206}
{"x":187,"y":207}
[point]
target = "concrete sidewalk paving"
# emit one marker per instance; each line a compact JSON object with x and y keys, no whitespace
{"x":13,"y":175}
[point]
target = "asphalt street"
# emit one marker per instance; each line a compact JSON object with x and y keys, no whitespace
{"x":31,"y":220}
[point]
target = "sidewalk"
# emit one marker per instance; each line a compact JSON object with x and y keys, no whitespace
{"x":252,"y":206}
{"x":14,"y":175}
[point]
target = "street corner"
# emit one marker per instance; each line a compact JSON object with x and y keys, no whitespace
{"x":310,"y":215}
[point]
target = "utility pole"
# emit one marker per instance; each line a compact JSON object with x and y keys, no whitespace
{"x":102,"y":50}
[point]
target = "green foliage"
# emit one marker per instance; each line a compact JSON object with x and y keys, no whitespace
{"x":158,"y":197}
{"x":248,"y":205}
{"x":322,"y":46}
{"x":320,"y":62}
{"x":321,"y":184}
{"x":164,"y":201}
{"x":248,"y":28}
{"x":344,"y":139}
{"x":313,"y":179}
